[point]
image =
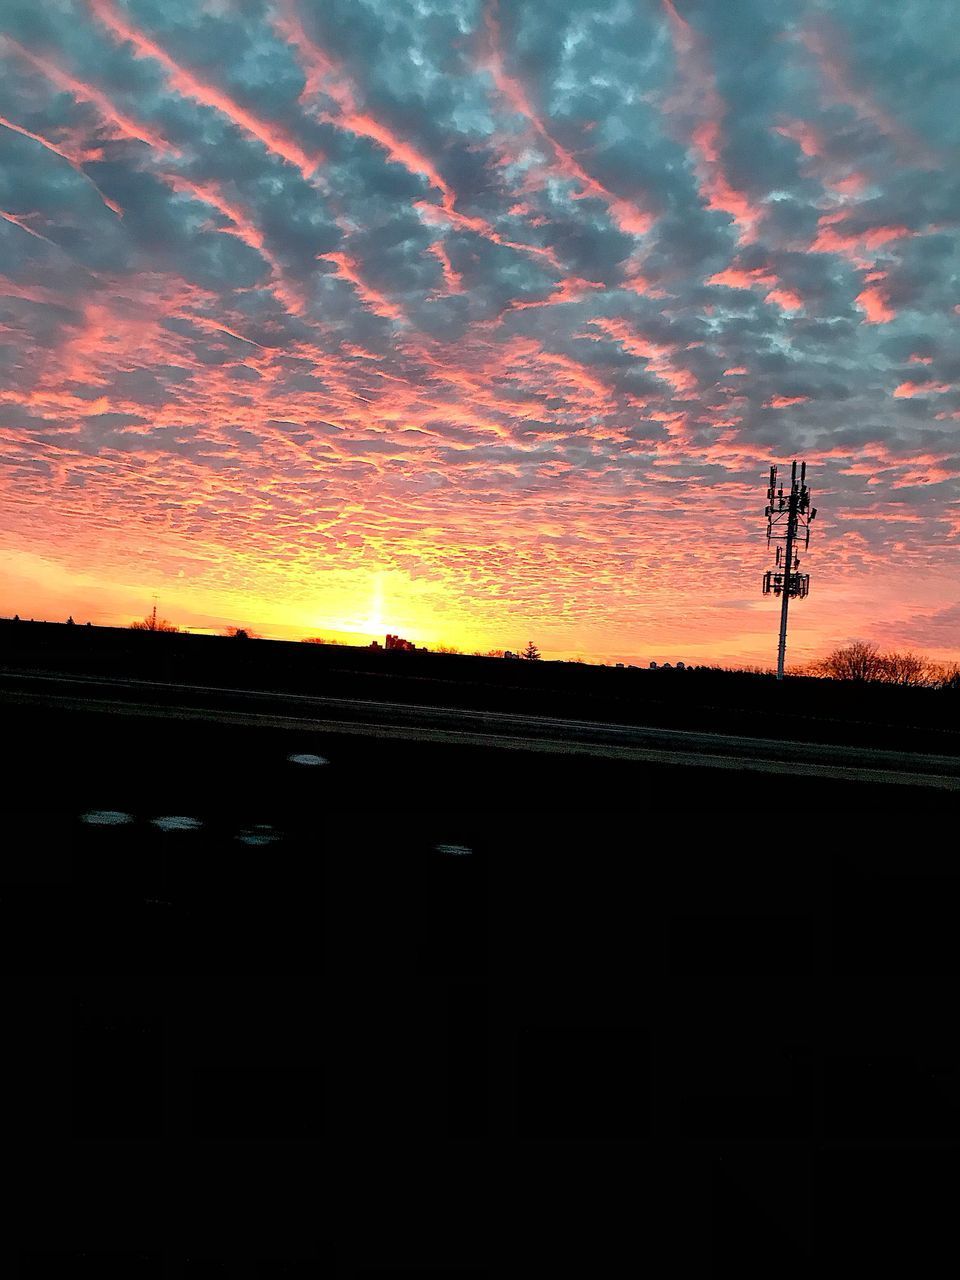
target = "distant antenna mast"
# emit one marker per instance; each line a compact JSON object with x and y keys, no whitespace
{"x":788,"y":524}
{"x":153,"y":616}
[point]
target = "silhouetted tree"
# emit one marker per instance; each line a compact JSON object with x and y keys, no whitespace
{"x":531,"y":652}
{"x":905,"y":668}
{"x":862,"y":662}
{"x":152,"y":623}
{"x":857,"y":661}
{"x":70,"y":621}
{"x":446,"y":648}
{"x":241,"y":633}
{"x":314,"y":640}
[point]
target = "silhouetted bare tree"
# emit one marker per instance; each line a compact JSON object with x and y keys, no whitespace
{"x":152,"y":623}
{"x":857,"y":661}
{"x":905,"y":668}
{"x":241,"y":633}
{"x":861,"y":661}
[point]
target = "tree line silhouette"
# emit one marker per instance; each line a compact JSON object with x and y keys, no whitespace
{"x":860,"y":661}
{"x":864,"y":662}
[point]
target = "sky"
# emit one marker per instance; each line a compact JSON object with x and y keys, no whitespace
{"x":481,"y":321}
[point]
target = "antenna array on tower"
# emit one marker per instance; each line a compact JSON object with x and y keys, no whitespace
{"x":788,"y":524}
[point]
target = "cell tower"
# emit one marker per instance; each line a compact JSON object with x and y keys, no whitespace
{"x":788,"y":524}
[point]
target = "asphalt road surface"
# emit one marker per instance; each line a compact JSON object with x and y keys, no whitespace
{"x":334,"y":718}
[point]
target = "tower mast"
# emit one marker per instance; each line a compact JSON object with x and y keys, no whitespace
{"x":788,"y":523}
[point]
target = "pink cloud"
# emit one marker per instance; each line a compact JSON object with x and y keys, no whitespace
{"x":837,"y":175}
{"x":22,"y":223}
{"x":629,"y":216}
{"x":785,"y":299}
{"x":699,"y":98}
{"x":825,"y":41}
{"x":124,"y":124}
{"x":906,"y":390}
{"x":833,"y":237}
{"x":784,"y":402}
{"x":75,"y":162}
{"x":452,"y":279}
{"x":875,"y":302}
{"x":739,"y":278}
{"x":270,"y":135}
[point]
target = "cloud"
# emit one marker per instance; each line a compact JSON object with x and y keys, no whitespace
{"x":513,"y":302}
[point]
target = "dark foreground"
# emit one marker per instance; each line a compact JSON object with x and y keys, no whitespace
{"x":429,"y":1009}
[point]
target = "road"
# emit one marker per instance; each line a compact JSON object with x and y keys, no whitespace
{"x":391,"y":721}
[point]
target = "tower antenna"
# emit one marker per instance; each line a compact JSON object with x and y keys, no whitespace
{"x":788,"y":524}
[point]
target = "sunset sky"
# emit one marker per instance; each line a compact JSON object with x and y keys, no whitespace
{"x":481,"y":322}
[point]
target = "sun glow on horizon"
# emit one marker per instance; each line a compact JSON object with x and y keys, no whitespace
{"x":39,"y":587}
